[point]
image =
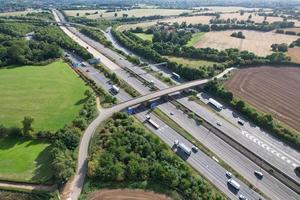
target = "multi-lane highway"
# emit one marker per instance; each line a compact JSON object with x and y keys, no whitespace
{"x":267,"y":186}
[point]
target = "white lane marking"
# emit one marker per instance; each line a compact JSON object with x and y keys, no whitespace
{"x":268,"y":148}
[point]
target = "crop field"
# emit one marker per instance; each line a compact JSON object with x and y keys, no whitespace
{"x":188,"y":20}
{"x":297,"y":30}
{"x":195,"y":38}
{"x":18,"y":13}
{"x":144,"y":36}
{"x":94,"y":14}
{"x":51,"y":94}
{"x":24,"y":160}
{"x":274,"y":90}
{"x":190,"y":62}
{"x":125,"y":194}
{"x":226,"y":9}
{"x":255,"y":18}
{"x":256,"y":41}
{"x":294,"y":53}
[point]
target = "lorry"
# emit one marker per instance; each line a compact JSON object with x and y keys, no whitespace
{"x":115,"y":89}
{"x":183,"y":147}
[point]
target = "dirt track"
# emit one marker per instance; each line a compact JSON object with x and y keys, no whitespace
{"x":126,"y":194}
{"x":275,"y":90}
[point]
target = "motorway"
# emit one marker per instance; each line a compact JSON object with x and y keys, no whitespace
{"x":200,"y":161}
{"x":243,"y":167}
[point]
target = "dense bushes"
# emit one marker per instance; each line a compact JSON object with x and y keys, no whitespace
{"x":259,"y":118}
{"x":123,"y":151}
{"x":53,"y":35}
{"x":96,"y":35}
{"x":279,"y":47}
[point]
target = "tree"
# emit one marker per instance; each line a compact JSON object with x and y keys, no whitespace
{"x":242,"y":12}
{"x":77,"y":14}
{"x":27,"y":126}
{"x":116,"y":14}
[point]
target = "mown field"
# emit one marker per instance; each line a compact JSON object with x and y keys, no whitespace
{"x":256,"y":42}
{"x":190,"y":62}
{"x":294,"y":53}
{"x":144,"y":36}
{"x":274,"y":90}
{"x":18,"y":13}
{"x":188,"y":20}
{"x":24,"y":160}
{"x":94,"y":14}
{"x":51,"y":94}
{"x":195,"y":38}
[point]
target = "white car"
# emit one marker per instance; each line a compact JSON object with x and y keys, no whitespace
{"x":148,"y":117}
{"x":219,"y":123}
{"x":259,"y":174}
{"x":176,"y":142}
{"x":242,"y":197}
{"x":228,"y":174}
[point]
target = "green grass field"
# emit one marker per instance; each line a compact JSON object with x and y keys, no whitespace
{"x":145,"y":36}
{"x":24,"y":160}
{"x":190,"y":62}
{"x":194,"y":39}
{"x":51,"y":94}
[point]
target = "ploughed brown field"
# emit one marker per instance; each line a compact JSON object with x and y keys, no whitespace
{"x":274,"y":90}
{"x":125,"y":194}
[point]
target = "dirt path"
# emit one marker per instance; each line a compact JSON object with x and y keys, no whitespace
{"x":126,"y":194}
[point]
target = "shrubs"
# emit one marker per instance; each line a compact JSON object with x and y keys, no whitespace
{"x":279,"y":47}
{"x":238,"y":35}
{"x":124,"y":151}
{"x":259,"y":118}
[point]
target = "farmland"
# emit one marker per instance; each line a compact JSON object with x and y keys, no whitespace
{"x":19,"y":13}
{"x":94,"y":14}
{"x":144,"y":36}
{"x":24,"y":160}
{"x":294,"y":53}
{"x":190,"y":62}
{"x":256,"y":42}
{"x":124,"y":194}
{"x":188,"y":20}
{"x":51,"y":94}
{"x":275,"y":90}
{"x":195,"y":38}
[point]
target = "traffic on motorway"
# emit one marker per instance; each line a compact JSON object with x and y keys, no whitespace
{"x":125,"y":76}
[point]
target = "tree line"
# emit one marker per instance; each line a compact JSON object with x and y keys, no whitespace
{"x":123,"y":151}
{"x":261,"y":119}
{"x":228,"y":57}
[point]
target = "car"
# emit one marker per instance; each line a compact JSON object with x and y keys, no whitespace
{"x":148,"y":117}
{"x":171,"y":113}
{"x":176,"y":142}
{"x":297,"y":171}
{"x":242,"y":197}
{"x":87,"y":70}
{"x":219,"y":123}
{"x":240,"y":122}
{"x":228,"y":174}
{"x":258,"y":174}
{"x":195,"y":149}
